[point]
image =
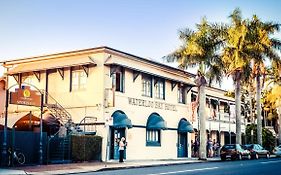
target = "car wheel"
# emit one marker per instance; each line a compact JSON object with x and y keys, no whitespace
{"x":239,"y":157}
{"x":256,"y":156}
{"x":267,"y":155}
{"x":249,"y":157}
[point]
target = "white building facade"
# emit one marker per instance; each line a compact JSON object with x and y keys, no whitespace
{"x":147,"y":102}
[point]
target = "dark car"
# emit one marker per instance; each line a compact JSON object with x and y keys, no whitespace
{"x":234,"y":151}
{"x":257,"y":151}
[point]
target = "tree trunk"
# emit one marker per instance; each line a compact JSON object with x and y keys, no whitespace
{"x":202,"y":118}
{"x":279,"y":118}
{"x":259,"y":119}
{"x":238,"y":110}
{"x":251,"y":108}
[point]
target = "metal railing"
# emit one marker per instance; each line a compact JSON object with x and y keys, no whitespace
{"x":57,"y":106}
{"x":88,"y":124}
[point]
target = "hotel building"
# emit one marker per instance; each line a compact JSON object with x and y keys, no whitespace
{"x":149,"y":103}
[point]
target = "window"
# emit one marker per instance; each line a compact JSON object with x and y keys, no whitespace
{"x":160,"y":89}
{"x":146,"y":85}
{"x":153,"y":138}
{"x":118,"y":80}
{"x":79,"y":80}
{"x":181,"y":94}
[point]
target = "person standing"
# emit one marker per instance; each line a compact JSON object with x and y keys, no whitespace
{"x":210,"y":147}
{"x":122,"y":145}
{"x":196,"y":147}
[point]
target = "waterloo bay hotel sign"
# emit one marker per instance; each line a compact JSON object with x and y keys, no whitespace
{"x":151,"y":104}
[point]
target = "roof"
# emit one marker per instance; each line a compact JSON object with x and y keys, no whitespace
{"x":84,"y":51}
{"x":45,"y":64}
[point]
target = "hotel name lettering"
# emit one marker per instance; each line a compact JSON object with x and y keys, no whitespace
{"x":151,"y":104}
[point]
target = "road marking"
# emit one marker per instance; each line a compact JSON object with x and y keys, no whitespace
{"x":271,"y":162}
{"x":174,"y":172}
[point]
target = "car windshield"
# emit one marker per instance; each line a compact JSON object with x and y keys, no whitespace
{"x":249,"y":146}
{"x":229,"y":147}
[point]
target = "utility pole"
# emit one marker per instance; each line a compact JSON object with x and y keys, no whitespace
{"x":4,"y":159}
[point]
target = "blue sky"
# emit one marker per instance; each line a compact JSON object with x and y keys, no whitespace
{"x":147,"y":28}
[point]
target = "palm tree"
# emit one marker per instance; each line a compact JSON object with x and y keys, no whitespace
{"x":273,"y":92}
{"x":236,"y":60}
{"x":199,"y":49}
{"x":274,"y":98}
{"x":262,"y":47}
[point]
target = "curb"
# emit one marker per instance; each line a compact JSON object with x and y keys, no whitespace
{"x":123,"y":166}
{"x":142,"y":166}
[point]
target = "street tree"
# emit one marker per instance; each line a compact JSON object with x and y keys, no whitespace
{"x":274,"y":98}
{"x":236,"y":60}
{"x":262,"y":48}
{"x":199,"y":49}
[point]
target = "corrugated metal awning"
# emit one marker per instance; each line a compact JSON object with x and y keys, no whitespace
{"x":51,"y":64}
{"x":184,"y":126}
{"x":155,"y":122}
{"x":120,"y":120}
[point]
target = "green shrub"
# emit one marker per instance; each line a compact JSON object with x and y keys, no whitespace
{"x":86,"y":147}
{"x":268,"y":140}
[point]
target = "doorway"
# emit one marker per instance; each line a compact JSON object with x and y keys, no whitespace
{"x":182,"y":145}
{"x":115,"y":135}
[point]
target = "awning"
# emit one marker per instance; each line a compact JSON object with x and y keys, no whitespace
{"x":185,"y":126}
{"x":120,"y":120}
{"x":155,"y":122}
{"x":51,"y":64}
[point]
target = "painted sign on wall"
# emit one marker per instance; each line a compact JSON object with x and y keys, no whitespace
{"x":151,"y":104}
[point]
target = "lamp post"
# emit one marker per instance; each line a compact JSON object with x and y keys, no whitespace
{"x":4,"y":159}
{"x":219,"y":138}
{"x":41,"y":132}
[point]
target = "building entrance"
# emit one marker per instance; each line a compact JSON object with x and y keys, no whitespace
{"x":116,"y":134}
{"x":182,"y":145}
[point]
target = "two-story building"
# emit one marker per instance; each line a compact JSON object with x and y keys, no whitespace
{"x":147,"y":102}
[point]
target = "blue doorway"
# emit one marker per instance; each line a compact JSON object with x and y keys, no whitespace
{"x":182,"y":145}
{"x":116,"y":135}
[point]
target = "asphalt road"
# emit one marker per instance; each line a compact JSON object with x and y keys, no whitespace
{"x":247,"y":167}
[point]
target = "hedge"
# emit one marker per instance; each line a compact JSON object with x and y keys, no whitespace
{"x":86,"y":147}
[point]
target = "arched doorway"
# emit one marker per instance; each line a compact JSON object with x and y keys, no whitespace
{"x":183,"y":128}
{"x":117,"y":131}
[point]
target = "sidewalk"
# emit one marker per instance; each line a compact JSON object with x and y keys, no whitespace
{"x":72,"y":168}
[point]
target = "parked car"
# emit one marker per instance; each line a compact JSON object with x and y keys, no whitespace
{"x":234,"y":151}
{"x":277,"y":151}
{"x":257,"y":151}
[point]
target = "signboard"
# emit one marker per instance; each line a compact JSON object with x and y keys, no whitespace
{"x":151,"y":104}
{"x":25,"y":96}
{"x":193,"y":111}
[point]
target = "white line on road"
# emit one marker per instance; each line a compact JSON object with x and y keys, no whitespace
{"x":174,"y":172}
{"x":271,"y":162}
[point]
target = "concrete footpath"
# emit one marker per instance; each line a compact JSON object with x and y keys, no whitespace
{"x":73,"y":168}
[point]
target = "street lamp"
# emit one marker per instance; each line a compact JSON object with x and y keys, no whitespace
{"x":4,"y":146}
